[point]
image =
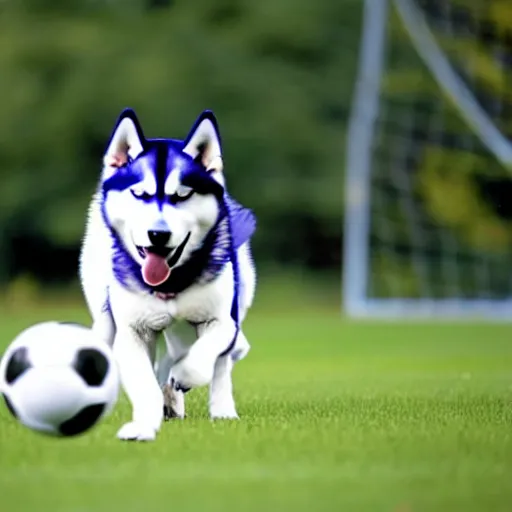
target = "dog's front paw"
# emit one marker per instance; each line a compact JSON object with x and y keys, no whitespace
{"x":223,"y":411}
{"x":135,"y":431}
{"x":192,"y":371}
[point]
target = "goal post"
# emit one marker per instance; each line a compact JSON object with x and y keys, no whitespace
{"x":427,"y":155}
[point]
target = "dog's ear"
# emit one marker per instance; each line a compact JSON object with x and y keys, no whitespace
{"x":203,"y":143}
{"x":126,"y":142}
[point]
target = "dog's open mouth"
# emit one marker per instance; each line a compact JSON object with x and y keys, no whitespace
{"x":158,"y":261}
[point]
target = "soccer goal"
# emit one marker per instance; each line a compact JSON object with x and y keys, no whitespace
{"x":428,"y":188}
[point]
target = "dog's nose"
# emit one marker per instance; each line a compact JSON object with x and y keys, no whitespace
{"x":159,"y":238}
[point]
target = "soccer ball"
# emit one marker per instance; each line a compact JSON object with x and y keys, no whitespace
{"x":57,"y":379}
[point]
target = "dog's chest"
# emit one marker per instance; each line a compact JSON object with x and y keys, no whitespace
{"x":187,"y":308}
{"x":195,"y":311}
{"x":196,"y":305}
{"x":201,"y":303}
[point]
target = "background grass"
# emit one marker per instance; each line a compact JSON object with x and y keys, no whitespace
{"x":335,"y":415}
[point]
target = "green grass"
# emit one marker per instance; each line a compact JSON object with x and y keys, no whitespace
{"x":335,"y":415}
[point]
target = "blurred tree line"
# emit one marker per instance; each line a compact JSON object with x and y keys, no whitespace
{"x":278,"y":74}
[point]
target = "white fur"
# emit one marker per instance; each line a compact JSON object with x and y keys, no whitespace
{"x":148,"y":186}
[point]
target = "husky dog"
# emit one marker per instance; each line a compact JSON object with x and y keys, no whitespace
{"x":166,"y":250}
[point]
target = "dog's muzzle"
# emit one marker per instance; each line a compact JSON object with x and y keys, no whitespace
{"x":158,"y":259}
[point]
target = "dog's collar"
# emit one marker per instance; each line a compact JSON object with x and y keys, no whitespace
{"x":163,"y":295}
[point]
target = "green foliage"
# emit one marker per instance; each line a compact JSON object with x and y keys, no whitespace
{"x":449,"y":176}
{"x":453,"y":200}
{"x":280,"y":85}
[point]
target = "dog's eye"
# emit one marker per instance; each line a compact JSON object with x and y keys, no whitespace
{"x":139,"y":193}
{"x":182,"y":193}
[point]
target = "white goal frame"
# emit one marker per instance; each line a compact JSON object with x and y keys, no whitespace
{"x":359,"y":143}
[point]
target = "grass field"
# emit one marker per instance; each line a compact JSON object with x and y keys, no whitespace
{"x":335,"y":415}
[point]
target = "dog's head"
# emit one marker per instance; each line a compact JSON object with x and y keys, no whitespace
{"x":162,"y":196}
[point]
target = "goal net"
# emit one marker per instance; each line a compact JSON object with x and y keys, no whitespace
{"x":428,"y":192}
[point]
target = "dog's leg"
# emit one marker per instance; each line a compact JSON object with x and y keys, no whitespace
{"x":241,"y":348}
{"x":197,"y":367}
{"x":178,"y":338}
{"x":162,"y":368}
{"x":133,"y":355}
{"x":174,"y":403}
{"x":222,"y":403}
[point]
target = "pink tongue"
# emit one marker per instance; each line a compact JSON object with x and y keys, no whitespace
{"x":155,"y":269}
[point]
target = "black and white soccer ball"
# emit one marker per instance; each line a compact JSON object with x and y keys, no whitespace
{"x":57,"y":379}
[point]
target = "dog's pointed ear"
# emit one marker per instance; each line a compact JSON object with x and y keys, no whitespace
{"x":126,"y":142}
{"x":203,"y":143}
